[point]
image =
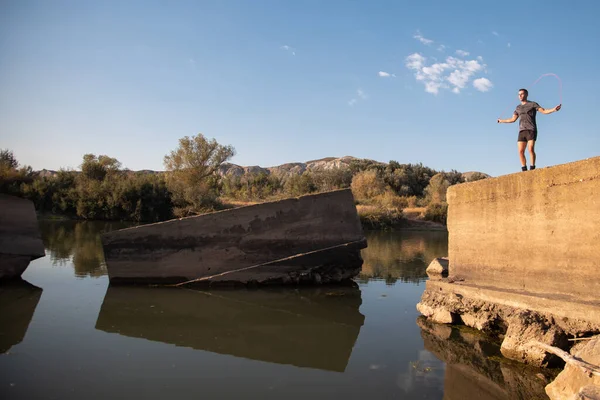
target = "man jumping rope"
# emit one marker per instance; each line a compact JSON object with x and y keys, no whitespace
{"x":526,"y":112}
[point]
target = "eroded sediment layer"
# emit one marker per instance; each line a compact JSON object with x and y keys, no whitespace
{"x":516,"y":318}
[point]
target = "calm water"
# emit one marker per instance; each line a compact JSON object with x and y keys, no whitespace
{"x":65,"y":334}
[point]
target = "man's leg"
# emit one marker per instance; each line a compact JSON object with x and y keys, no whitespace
{"x":521,"y":146}
{"x":531,"y":146}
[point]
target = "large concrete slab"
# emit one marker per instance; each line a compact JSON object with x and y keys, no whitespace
{"x":536,"y":231}
{"x":250,"y":240}
{"x":20,"y":237}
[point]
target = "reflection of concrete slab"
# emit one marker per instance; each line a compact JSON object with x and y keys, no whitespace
{"x":316,"y":237}
{"x":18,"y":300}
{"x":473,"y":369}
{"x":313,"y":328}
{"x":20,"y":238}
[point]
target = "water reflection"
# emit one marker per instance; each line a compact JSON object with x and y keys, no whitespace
{"x":18,"y":300}
{"x":308,"y":327}
{"x":401,"y":256}
{"x":78,"y":242}
{"x":475,"y":368}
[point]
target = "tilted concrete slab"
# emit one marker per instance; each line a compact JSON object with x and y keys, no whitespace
{"x":537,"y":231}
{"x":20,"y":237}
{"x":259,"y":243}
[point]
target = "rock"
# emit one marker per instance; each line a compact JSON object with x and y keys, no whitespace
{"x":526,"y":326}
{"x":437,"y":268}
{"x":439,"y":315}
{"x":573,"y":382}
{"x":478,"y":321}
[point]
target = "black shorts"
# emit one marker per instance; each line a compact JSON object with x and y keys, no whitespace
{"x":526,"y":136}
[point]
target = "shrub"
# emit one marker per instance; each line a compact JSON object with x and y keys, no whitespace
{"x":366,"y":185}
{"x":437,"y":212}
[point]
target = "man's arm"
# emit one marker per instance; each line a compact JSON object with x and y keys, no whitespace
{"x":510,"y":120}
{"x":550,"y":111}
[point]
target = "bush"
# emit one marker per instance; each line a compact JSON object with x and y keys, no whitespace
{"x":366,"y":185}
{"x":391,"y":200}
{"x":437,"y":212}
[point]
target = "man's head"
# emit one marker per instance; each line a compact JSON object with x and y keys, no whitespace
{"x":523,"y":93}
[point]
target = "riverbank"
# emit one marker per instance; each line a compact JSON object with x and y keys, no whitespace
{"x":372,"y":218}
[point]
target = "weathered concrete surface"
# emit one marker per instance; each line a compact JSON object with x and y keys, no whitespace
{"x":570,"y":382}
{"x":270,"y":235}
{"x":474,"y":369}
{"x":516,"y":317}
{"x":537,"y":231}
{"x":20,"y":237}
{"x":18,"y":301}
{"x":313,"y":327}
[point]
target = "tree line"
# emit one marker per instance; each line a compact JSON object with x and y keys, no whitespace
{"x":191,"y":184}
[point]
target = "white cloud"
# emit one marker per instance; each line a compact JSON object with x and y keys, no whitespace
{"x":508,"y":45}
{"x":453,"y":74}
{"x":290,"y":49}
{"x":495,"y":33}
{"x":480,"y":58}
{"x":361,"y":95}
{"x":462,"y":53}
{"x":441,"y":47}
{"x":384,"y":74}
{"x":421,"y":39}
{"x":483,"y":84}
{"x":415,"y":61}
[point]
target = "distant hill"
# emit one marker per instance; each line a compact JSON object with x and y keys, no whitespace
{"x":281,"y":171}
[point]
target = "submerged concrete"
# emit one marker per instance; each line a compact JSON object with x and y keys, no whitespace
{"x":523,"y":260}
{"x":20,"y":237}
{"x":311,"y":327}
{"x":315,"y":238}
{"x":474,"y":370}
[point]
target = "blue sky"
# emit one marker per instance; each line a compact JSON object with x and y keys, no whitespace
{"x":290,"y":81}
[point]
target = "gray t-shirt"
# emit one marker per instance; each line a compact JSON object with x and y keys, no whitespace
{"x":526,"y":113}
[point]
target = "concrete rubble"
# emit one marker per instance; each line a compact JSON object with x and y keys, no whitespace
{"x":523,"y":266}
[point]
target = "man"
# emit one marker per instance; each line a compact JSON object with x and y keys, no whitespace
{"x":526,"y":112}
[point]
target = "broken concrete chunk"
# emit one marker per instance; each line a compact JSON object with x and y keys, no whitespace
{"x":526,"y":326}
{"x":439,"y":266}
{"x":573,"y":382}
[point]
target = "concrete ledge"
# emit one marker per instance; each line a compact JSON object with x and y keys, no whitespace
{"x":560,"y":306}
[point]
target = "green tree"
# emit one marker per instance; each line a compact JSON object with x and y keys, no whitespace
{"x":477,"y":176}
{"x":97,"y":168}
{"x":8,"y":160}
{"x":192,"y":175}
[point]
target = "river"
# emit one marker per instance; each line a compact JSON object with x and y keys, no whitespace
{"x":66,"y":334}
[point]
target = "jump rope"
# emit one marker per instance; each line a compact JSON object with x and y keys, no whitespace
{"x":536,"y":81}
